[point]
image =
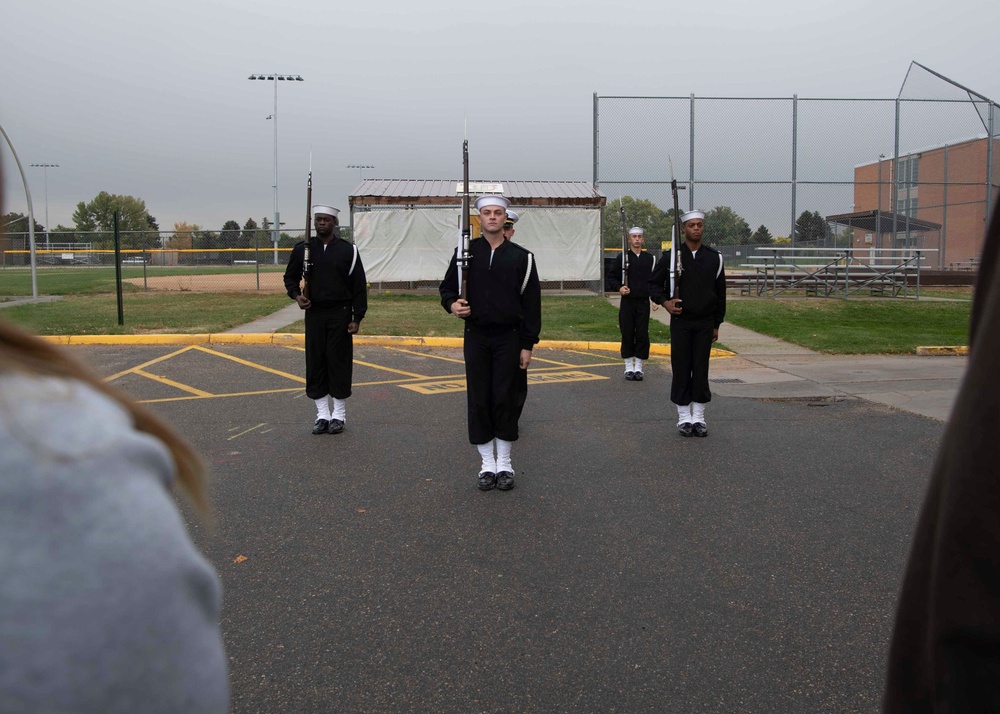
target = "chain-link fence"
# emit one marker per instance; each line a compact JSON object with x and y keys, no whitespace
{"x":196,"y":261}
{"x":917,"y":171}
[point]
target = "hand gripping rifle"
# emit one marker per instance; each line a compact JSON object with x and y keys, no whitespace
{"x":676,"y":268}
{"x":625,"y":245}
{"x":306,"y":265}
{"x":464,"y":251}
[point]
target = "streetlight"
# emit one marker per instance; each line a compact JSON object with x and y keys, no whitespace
{"x":274,"y":77}
{"x":45,"y":169}
{"x":361,"y":169}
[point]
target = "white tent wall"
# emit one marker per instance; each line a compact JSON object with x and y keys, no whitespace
{"x":416,"y":244}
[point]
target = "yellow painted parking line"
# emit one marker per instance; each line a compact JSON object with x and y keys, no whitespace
{"x":172,"y":383}
{"x":223,"y":396}
{"x":447,"y":386}
{"x":556,"y":377}
{"x":373,"y":366}
{"x":394,"y":371}
{"x":424,"y":354}
{"x":535,"y":358}
{"x":377,"y":382}
{"x":255,"y":365}
{"x":440,"y":387}
{"x":151,"y":362}
{"x":253,"y":428}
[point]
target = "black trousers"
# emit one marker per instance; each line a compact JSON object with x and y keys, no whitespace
{"x":690,"y":349}
{"x":494,"y":383}
{"x":633,"y":321}
{"x":329,"y":352}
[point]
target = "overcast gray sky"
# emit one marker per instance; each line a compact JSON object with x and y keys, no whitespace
{"x":152,"y":99}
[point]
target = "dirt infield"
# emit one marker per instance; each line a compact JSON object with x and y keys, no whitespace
{"x":223,"y":283}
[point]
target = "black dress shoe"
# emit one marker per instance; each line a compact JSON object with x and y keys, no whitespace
{"x":336,"y":426}
{"x":637,"y":377}
{"x":686,"y":429}
{"x":630,"y":376}
{"x":321,"y":426}
{"x":505,"y":480}
{"x":700,"y":429}
{"x":487,"y":480}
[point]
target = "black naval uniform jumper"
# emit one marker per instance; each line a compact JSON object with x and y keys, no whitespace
{"x":633,"y":310}
{"x":703,"y":300}
{"x":504,"y":321}
{"x":339,"y":296}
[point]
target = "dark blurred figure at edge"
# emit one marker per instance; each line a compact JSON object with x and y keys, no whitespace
{"x":945,"y":651}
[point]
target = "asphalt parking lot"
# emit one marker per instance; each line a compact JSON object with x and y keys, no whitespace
{"x":629,"y":570}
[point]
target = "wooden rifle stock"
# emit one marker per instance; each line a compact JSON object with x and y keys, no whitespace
{"x":625,"y":246}
{"x":675,"y":244}
{"x":465,"y":253}
{"x":305,"y":253}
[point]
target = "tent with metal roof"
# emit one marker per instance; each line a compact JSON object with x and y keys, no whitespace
{"x":407,"y":230}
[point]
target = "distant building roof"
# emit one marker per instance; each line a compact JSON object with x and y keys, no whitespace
{"x":396,"y":192}
{"x":873,"y":221}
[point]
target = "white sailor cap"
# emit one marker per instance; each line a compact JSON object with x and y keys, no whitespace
{"x":691,"y":215}
{"x":326,"y":211}
{"x":636,"y":230}
{"x":512,"y":217}
{"x":491,"y":199}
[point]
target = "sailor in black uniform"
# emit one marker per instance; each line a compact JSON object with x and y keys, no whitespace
{"x":337,"y":302}
{"x":694,"y":320}
{"x":633,"y":310}
{"x":503,"y":319}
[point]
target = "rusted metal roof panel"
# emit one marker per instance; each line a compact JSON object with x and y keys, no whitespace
{"x":419,"y":192}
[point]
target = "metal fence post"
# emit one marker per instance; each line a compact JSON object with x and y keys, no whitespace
{"x":691,"y":159}
{"x":795,"y":152}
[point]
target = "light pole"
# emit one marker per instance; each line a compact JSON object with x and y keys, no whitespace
{"x":274,"y":77}
{"x":45,"y":169}
{"x":361,"y":169}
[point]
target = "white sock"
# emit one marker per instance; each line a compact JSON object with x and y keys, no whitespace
{"x":683,"y":414}
{"x":340,"y":409}
{"x":698,"y":413}
{"x":486,"y":454}
{"x":503,"y":456}
{"x":322,"y":408}
{"x":637,"y":364}
{"x":628,"y":364}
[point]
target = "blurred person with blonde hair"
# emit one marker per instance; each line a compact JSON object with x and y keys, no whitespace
{"x":106,"y":605}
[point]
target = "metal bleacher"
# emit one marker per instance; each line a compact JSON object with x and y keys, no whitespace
{"x":832,"y":272}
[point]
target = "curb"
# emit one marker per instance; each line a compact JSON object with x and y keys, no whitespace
{"x":943,"y":350}
{"x":286,"y":338}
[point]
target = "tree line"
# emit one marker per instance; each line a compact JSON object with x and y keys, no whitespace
{"x":723,"y":226}
{"x":139,"y":230}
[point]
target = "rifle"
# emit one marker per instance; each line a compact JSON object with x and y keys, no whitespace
{"x":625,"y":246}
{"x":464,"y":250}
{"x":676,"y":268}
{"x":305,"y":253}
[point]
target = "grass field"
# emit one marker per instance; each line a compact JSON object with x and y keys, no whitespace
{"x":863,"y":326}
{"x":856,"y":326}
{"x":144,"y":312}
{"x":563,"y":318}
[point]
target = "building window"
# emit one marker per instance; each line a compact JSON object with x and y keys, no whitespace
{"x":907,"y":207}
{"x":909,"y":171}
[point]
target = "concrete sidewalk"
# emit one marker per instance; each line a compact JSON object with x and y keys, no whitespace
{"x":768,"y":368}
